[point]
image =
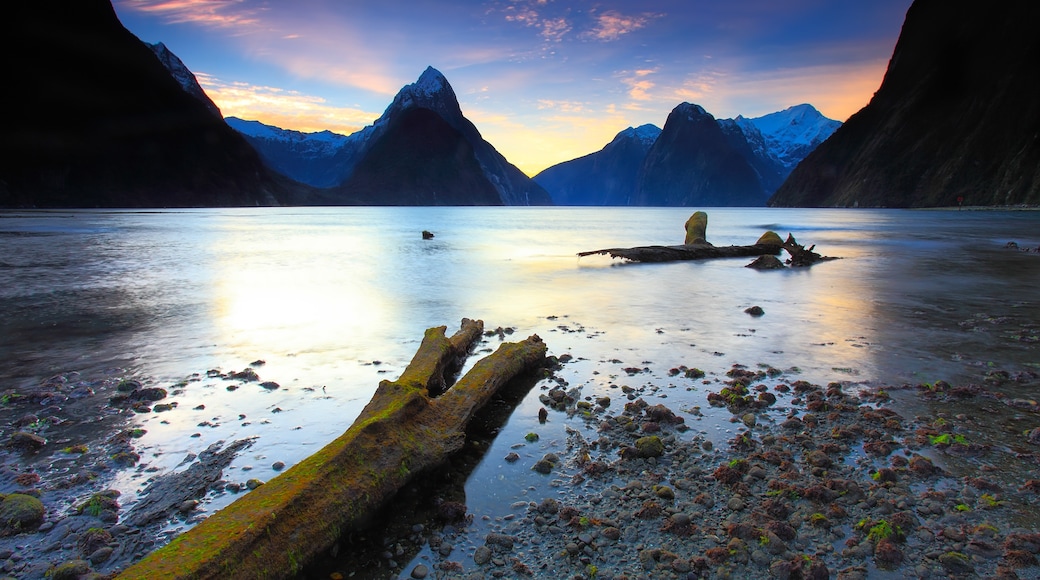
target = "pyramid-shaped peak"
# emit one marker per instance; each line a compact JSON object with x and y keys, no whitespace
{"x":431,"y":91}
{"x":431,"y":81}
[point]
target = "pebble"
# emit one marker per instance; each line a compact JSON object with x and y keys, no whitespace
{"x":420,"y":572}
{"x":482,"y":555}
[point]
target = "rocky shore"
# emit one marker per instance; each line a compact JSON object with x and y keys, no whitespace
{"x":815,"y":482}
{"x":810,"y":481}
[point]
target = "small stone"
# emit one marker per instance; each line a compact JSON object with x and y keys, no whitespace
{"x":278,"y":465}
{"x":755,"y":311}
{"x":651,"y":446}
{"x":26,"y":441}
{"x":270,"y":385}
{"x":818,"y":458}
{"x":956,"y":563}
{"x":253,"y":483}
{"x":749,"y":419}
{"x":735,"y":504}
{"x":420,"y":571}
{"x":100,"y":556}
{"x":482,"y":555}
{"x":664,"y":492}
{"x":543,"y":466}
{"x":611,"y":533}
{"x":20,"y":512}
{"x":512,"y":457}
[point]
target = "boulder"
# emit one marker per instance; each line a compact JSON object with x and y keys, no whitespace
{"x":696,"y":228}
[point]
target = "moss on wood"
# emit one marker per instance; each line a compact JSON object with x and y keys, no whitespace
{"x":277,"y":528}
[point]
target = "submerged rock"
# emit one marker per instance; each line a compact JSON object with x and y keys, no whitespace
{"x":766,"y":262}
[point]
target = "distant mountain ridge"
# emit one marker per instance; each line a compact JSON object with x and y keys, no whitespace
{"x":703,"y":160}
{"x":317,"y":159}
{"x":608,"y":177}
{"x":956,"y":118}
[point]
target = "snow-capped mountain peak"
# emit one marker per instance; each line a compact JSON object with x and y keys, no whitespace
{"x":430,"y":91}
{"x":789,"y":135}
{"x":647,"y":133}
{"x":430,"y":82}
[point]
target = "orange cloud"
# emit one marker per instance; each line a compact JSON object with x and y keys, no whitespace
{"x":612,"y":25}
{"x":217,"y":13}
{"x":638,"y":84}
{"x":282,"y":108}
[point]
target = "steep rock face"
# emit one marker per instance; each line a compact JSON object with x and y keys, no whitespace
{"x":102,"y":123}
{"x":184,"y":77}
{"x":693,"y":163}
{"x":956,"y":117}
{"x":432,"y":92}
{"x":607,"y":177}
{"x":419,"y":159}
{"x":746,"y":139}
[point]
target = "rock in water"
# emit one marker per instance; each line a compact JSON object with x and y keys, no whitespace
{"x":696,"y":228}
{"x":770,"y":238}
{"x":766,"y":262}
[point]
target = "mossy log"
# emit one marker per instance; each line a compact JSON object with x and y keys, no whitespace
{"x":701,"y":251}
{"x":274,"y":530}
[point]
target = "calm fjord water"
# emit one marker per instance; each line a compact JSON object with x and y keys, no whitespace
{"x":336,"y":299}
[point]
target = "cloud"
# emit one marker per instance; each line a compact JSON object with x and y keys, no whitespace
{"x":564,"y":106}
{"x":215,"y":13}
{"x":612,"y":25}
{"x":530,"y":14}
{"x":554,"y":29}
{"x":283,"y":108}
{"x":638,"y":83}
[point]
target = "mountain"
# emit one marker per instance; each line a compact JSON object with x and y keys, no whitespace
{"x":185,"y":78}
{"x":101,"y":122}
{"x":607,"y":177}
{"x":321,"y":159}
{"x":344,"y":164}
{"x":790,"y":135}
{"x":772,"y":145}
{"x":779,"y":141}
{"x":956,"y":116}
{"x":419,"y":159}
{"x":693,"y":163}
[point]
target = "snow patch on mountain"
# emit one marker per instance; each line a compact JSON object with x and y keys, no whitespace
{"x":645,"y":134}
{"x":318,"y":142}
{"x":787,"y":136}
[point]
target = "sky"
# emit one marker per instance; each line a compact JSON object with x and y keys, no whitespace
{"x":544,"y":81}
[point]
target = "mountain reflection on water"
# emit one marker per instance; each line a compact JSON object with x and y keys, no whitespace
{"x":336,"y":299}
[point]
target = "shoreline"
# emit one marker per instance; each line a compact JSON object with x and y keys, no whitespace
{"x":637,"y":489}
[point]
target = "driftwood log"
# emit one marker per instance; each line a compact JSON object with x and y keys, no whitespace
{"x":407,"y":427}
{"x":802,"y":256}
{"x":700,"y":251}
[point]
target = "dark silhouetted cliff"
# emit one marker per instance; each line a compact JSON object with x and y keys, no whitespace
{"x":957,"y":116}
{"x":98,"y":121}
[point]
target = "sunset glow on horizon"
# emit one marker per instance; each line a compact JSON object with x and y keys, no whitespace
{"x":544,"y":81}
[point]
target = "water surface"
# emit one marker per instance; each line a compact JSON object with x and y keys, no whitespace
{"x":336,"y":299}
